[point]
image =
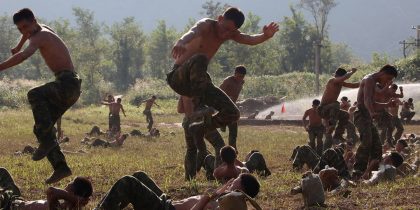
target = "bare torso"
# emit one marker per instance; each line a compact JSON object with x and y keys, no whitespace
{"x":53,"y":50}
{"x":149,"y":104}
{"x":115,"y":108}
{"x":232,"y":87}
{"x":314,"y":118}
{"x":207,"y":43}
{"x":188,"y":204}
{"x":394,"y":108}
{"x":331,"y":93}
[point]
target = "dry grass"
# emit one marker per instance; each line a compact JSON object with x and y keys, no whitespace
{"x":162,"y":159}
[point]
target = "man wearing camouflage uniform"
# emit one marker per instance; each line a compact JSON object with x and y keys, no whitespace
{"x":370,"y":147}
{"x":50,"y":101}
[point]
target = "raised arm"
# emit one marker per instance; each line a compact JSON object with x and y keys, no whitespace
{"x":351,"y":85}
{"x":199,"y":28}
{"x":268,"y":32}
{"x":54,"y":195}
{"x":345,"y":77}
{"x":20,"y":56}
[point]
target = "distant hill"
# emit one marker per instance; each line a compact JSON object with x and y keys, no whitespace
{"x":365,"y":25}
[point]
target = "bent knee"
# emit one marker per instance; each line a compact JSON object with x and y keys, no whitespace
{"x":140,"y":174}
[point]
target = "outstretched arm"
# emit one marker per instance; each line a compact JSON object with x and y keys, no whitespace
{"x":268,"y":32}
{"x":20,"y":56}
{"x":345,"y":77}
{"x":20,"y":44}
{"x":123,"y":111}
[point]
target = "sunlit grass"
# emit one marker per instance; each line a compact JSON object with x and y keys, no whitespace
{"x":162,"y":158}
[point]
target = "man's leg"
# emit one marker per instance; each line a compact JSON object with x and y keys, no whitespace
{"x":343,"y":119}
{"x":319,"y":143}
{"x":216,"y":140}
{"x":257,"y":163}
{"x":233,"y":134}
{"x":410,"y":116}
{"x":7,"y":182}
{"x":150,"y":126}
{"x":190,"y":162}
{"x":312,"y":136}
{"x":333,"y":159}
{"x":209,"y":166}
{"x":305,"y":155}
{"x":364,"y":125}
{"x":148,"y":182}
{"x":375,"y":152}
{"x":400,"y":128}
{"x":351,"y":132}
{"x":129,"y":189}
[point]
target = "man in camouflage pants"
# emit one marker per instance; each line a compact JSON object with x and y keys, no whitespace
{"x":50,"y":101}
{"x":196,"y":148}
{"x":9,"y":192}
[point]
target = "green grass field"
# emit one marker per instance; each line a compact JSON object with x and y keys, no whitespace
{"x":162,"y":158}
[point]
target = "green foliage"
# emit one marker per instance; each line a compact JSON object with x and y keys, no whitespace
{"x":409,"y":68}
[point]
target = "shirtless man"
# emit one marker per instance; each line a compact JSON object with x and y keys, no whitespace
{"x":143,"y":193}
{"x":49,"y":101}
{"x":396,"y":122}
{"x":232,"y":86}
{"x":76,"y":195}
{"x":329,"y":109}
{"x":196,"y":148}
{"x":315,"y":128}
{"x":407,"y":111}
{"x":115,"y":108}
{"x":148,"y":110}
{"x":345,"y":103}
{"x":384,"y":118}
{"x":109,"y":99}
{"x":192,"y":54}
{"x":370,"y":147}
{"x":228,"y":170}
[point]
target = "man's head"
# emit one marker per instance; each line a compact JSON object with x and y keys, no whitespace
{"x":316,"y":103}
{"x":153,"y":97}
{"x":394,"y":158}
{"x":401,"y":144}
{"x":344,"y":99}
{"x":394,"y":88}
{"x":410,"y":100}
{"x":389,"y":73}
{"x":228,"y":155}
{"x":80,"y":186}
{"x":340,"y":72}
{"x":247,"y":183}
{"x":25,"y":21}
{"x":119,"y":100}
{"x":240,"y":72}
{"x":229,"y":23}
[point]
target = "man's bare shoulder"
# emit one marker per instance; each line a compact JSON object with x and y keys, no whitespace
{"x":205,"y":24}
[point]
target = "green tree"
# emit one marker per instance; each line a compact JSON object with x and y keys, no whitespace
{"x":128,"y":55}
{"x":159,"y":50}
{"x":212,"y":9}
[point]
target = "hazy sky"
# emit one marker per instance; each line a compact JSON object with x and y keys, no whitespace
{"x":365,"y":25}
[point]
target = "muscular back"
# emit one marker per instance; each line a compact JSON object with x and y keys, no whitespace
{"x":331,"y":93}
{"x":53,"y":50}
{"x":206,"y":42}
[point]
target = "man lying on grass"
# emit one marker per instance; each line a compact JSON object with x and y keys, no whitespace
{"x":76,"y":195}
{"x":143,"y":193}
{"x":232,"y":167}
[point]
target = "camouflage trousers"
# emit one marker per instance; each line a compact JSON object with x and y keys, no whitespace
{"x":49,"y":102}
{"x":316,"y":133}
{"x":407,"y":115}
{"x":333,"y":158}
{"x":149,"y":118}
{"x":370,"y":147}
{"x":397,"y":124}
{"x":115,"y":123}
{"x":138,"y":190}
{"x":191,"y":79}
{"x":255,"y":163}
{"x":333,"y":114}
{"x":304,"y":155}
{"x":233,"y":134}
{"x":9,"y":192}
{"x":197,"y":149}
{"x":385,"y":124}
